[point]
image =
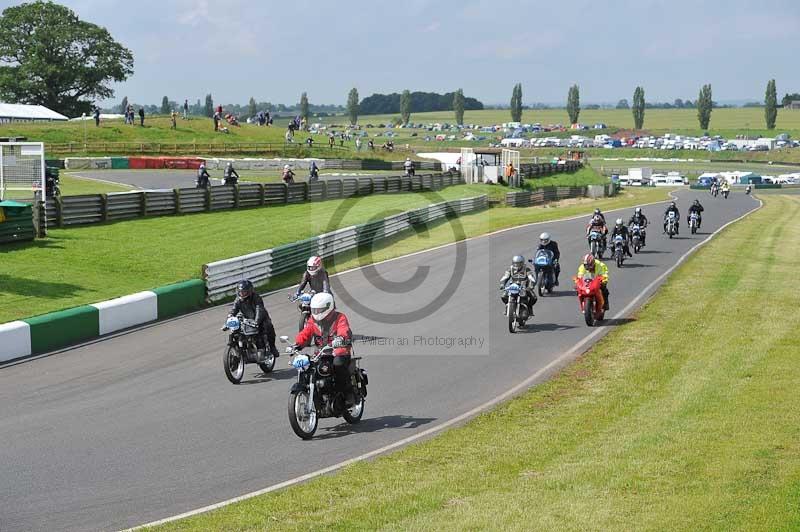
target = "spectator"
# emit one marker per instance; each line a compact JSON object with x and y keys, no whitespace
{"x":269,"y":119}
{"x":186,"y":109}
{"x":97,"y":116}
{"x":289,"y":135}
{"x":141,"y":116}
{"x":310,"y":142}
{"x":219,"y":110}
{"x":371,"y":144}
{"x":216,"y":121}
{"x":174,"y":117}
{"x":358,"y":143}
{"x":341,"y":139}
{"x":331,"y":139}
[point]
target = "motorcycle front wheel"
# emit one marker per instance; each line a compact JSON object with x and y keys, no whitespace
{"x":303,"y":424}
{"x":540,"y":282}
{"x":512,"y":317}
{"x":619,"y":259}
{"x":588,"y":312}
{"x":233,"y":363}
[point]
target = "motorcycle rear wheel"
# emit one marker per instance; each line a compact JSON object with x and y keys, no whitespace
{"x":233,"y":363}
{"x":303,"y":425}
{"x":353,"y":414}
{"x":269,"y":363}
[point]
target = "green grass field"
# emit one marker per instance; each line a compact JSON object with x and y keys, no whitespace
{"x":684,"y":419}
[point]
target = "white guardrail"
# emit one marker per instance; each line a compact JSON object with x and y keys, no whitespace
{"x":222,"y":276}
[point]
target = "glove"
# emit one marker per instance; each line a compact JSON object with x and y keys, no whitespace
{"x":339,"y":341}
{"x":291,"y":349}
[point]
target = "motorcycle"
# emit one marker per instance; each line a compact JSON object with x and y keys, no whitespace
{"x":544,"y":268}
{"x":672,"y":224}
{"x":596,"y":244}
{"x":694,"y":222}
{"x":748,"y":190}
{"x":619,"y":250}
{"x":516,"y":309}
{"x":636,"y":237}
{"x":52,"y":186}
{"x":314,"y":395}
{"x":242,"y":349}
{"x":725,"y":192}
{"x":304,"y":306}
{"x":714,"y":190}
{"x":313,"y":176}
{"x":590,"y":298}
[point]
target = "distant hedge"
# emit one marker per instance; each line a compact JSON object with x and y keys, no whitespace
{"x":421,"y":102}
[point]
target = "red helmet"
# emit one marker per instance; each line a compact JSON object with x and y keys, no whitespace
{"x":588,"y":262}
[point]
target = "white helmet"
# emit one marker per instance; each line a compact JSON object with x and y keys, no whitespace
{"x":544,"y":238}
{"x":619,"y":221}
{"x":638,"y":210}
{"x":285,"y":166}
{"x":321,"y":306}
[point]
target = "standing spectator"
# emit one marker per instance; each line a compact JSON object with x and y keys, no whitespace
{"x":186,"y":109}
{"x":141,"y":116}
{"x":97,"y":116}
{"x":341,"y":139}
{"x":289,"y":135}
{"x":216,"y":121}
{"x":331,"y":139}
{"x":269,"y":119}
{"x":371,"y":144}
{"x":358,"y":143}
{"x":310,"y":142}
{"x":219,"y":110}
{"x":174,"y":117}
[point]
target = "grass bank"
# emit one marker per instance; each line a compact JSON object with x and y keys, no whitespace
{"x":84,"y":265}
{"x":685,"y":419}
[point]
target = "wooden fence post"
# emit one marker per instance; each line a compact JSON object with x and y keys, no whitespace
{"x":236,"y":196}
{"x":208,"y":199}
{"x":262,"y":191}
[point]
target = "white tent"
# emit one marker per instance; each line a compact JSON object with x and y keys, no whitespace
{"x":10,"y":112}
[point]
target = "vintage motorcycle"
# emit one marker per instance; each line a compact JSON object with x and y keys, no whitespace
{"x":304,"y":305}
{"x":241,"y":349}
{"x":516,"y":307}
{"x":314,"y":395}
{"x":619,"y":250}
{"x":544,"y":268}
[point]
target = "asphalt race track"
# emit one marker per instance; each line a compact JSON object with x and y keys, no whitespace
{"x":161,"y":179}
{"x":144,"y":425}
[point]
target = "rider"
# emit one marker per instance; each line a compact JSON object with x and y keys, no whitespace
{"x":203,"y":177}
{"x":313,"y":171}
{"x":521,"y":274}
{"x":330,"y":327}
{"x":551,"y":245}
{"x":639,"y":219}
{"x":288,"y":175}
{"x":409,"y":167}
{"x":621,"y":229}
{"x":726,"y":187}
{"x":598,"y":223}
{"x":672,"y":208}
{"x":596,"y":267}
{"x":696,"y":207}
{"x":315,"y":277}
{"x":252,"y":308}
{"x":230,"y":175}
{"x":598,"y":212}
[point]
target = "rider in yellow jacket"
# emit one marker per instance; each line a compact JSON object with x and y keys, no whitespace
{"x":598,"y":268}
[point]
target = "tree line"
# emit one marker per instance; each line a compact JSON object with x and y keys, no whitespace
{"x":419,"y":102}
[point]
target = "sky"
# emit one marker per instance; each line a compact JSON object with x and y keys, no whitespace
{"x":274,"y":50}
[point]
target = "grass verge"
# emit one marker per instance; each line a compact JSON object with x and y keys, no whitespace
{"x":685,"y":419}
{"x":85,"y":265}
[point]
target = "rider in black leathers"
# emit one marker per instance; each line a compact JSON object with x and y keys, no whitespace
{"x":696,"y":207}
{"x":252,"y":308}
{"x":203,"y":177}
{"x":672,"y":208}
{"x":551,"y":245}
{"x":621,"y":229}
{"x":521,"y":274}
{"x":315,"y":277}
{"x":230,"y":175}
{"x":639,"y":219}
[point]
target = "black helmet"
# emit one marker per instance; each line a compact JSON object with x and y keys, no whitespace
{"x":697,"y":201}
{"x":244,"y":289}
{"x":672,"y":204}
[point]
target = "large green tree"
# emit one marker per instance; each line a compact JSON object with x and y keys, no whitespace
{"x":458,"y":106}
{"x":405,"y":106}
{"x":304,"y":107}
{"x":252,"y":110}
{"x":209,"y":106}
{"x":771,"y":104}
{"x":165,"y":110}
{"x":124,"y":105}
{"x":352,"y":105}
{"x":704,"y":106}
{"x":638,"y":108}
{"x":516,"y":103}
{"x":48,"y":56}
{"x":574,"y":104}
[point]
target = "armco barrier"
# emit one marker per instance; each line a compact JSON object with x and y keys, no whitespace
{"x":178,"y":298}
{"x":547,"y":194}
{"x":97,"y":208}
{"x":222,"y":276}
{"x":44,"y":333}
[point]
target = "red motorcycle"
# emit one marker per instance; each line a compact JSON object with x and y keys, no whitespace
{"x":590,"y":297}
